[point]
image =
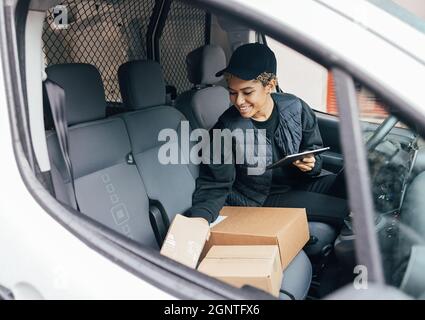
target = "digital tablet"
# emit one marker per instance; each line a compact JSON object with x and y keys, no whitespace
{"x":294,"y":157}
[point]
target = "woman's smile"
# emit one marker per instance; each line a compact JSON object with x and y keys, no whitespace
{"x":245,"y":109}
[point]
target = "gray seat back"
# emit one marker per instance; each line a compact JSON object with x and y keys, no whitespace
{"x":206,"y":101}
{"x":108,"y":188}
{"x":170,"y":184}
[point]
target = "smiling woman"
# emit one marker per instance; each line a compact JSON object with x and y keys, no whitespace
{"x":287,"y":126}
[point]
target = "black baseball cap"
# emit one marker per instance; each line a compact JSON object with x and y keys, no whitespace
{"x":249,"y":61}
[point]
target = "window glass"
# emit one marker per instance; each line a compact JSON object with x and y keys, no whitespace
{"x":371,"y":108}
{"x":396,"y":158}
{"x":300,"y":76}
{"x":315,"y":84}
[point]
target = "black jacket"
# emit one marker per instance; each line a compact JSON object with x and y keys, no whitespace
{"x":230,"y":184}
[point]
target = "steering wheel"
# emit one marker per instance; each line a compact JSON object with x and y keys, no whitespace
{"x":381,"y":132}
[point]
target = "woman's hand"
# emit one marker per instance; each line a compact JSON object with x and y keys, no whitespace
{"x":306,"y":164}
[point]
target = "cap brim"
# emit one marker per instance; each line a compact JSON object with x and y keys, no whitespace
{"x":221,"y":72}
{"x":240,"y":73}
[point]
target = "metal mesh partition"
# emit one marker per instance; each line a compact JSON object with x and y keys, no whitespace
{"x":103,"y":33}
{"x":184,"y":31}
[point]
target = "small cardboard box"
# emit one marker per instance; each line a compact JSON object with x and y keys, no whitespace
{"x":185,"y":239}
{"x":258,"y":266}
{"x":285,"y":227}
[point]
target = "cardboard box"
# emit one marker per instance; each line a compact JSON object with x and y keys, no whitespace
{"x":285,"y":227}
{"x":185,"y":239}
{"x":258,"y":266}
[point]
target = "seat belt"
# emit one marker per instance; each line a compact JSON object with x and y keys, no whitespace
{"x":56,"y":97}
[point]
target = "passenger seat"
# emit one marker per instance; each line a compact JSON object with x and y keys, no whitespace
{"x":108,"y":186}
{"x":206,"y":101}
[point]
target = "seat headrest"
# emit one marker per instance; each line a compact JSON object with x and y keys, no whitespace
{"x":142,"y":84}
{"x":84,"y":93}
{"x":203,"y":63}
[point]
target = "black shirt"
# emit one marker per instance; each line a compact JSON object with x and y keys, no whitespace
{"x":270,"y":124}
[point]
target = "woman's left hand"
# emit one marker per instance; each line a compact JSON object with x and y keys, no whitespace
{"x":306,"y":164}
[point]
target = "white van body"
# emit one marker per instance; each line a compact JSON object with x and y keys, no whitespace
{"x":41,"y":259}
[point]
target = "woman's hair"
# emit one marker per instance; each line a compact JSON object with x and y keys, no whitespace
{"x":264,"y":77}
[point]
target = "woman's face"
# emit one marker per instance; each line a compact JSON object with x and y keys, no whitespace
{"x":250,"y":97}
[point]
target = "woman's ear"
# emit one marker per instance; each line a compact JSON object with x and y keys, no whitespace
{"x":271,"y":86}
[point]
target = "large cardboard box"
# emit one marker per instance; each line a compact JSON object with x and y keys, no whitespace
{"x":185,"y":239}
{"x":258,"y":266}
{"x":285,"y":227}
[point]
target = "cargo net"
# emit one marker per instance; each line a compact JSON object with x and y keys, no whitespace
{"x":105,"y":34}
{"x":183,"y":32}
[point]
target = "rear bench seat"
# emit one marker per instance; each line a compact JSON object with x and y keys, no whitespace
{"x":143,"y":92}
{"x":109,"y":189}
